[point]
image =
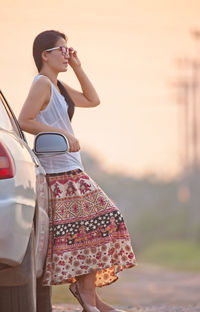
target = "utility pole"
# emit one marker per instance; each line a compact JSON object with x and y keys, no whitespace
{"x":189,"y":96}
{"x":188,"y":84}
{"x":182,"y":84}
{"x":195,"y":66}
{"x":194,"y":97}
{"x":185,"y":103}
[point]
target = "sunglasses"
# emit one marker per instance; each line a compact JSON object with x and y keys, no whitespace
{"x":64,"y":50}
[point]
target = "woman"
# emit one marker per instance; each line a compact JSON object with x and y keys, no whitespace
{"x":88,"y":240}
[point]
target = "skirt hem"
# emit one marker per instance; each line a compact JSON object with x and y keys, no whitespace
{"x":115,"y":278}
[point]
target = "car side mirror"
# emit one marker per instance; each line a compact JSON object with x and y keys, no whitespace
{"x":48,"y":143}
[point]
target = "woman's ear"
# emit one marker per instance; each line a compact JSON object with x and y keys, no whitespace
{"x":44,"y":56}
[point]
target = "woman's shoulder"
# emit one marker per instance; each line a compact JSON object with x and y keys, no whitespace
{"x":42,"y":80}
{"x":41,"y":83}
{"x":41,"y":86}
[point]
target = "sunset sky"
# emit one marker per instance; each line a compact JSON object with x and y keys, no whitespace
{"x":128,"y":49}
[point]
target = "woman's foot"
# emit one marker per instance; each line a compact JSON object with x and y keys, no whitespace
{"x":84,"y":291}
{"x":86,"y":307}
{"x":104,"y":307}
{"x":87,"y":298}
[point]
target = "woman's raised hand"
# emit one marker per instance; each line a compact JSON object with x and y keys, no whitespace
{"x":73,"y":58}
{"x":74,"y":145}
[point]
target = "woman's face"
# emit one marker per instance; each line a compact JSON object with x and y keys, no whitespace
{"x":56,"y":59}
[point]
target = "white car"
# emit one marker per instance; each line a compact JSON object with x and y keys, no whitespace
{"x":23,"y":213}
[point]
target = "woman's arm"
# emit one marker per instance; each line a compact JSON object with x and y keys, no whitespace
{"x":88,"y":97}
{"x":38,"y":98}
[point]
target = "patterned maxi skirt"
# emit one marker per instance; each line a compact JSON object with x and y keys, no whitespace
{"x":87,"y":232}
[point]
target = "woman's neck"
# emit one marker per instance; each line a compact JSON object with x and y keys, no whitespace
{"x":50,"y":74}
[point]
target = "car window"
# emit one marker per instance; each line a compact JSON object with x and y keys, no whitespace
{"x":8,"y":120}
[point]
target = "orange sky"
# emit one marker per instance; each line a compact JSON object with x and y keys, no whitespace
{"x":127,"y":49}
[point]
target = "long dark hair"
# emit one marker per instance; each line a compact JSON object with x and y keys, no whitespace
{"x":47,"y":40}
{"x":68,"y":99}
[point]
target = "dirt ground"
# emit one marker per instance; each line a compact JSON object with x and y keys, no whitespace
{"x":149,"y":288}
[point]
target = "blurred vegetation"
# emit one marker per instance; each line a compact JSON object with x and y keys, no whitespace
{"x":163,"y":217}
{"x":179,"y":255}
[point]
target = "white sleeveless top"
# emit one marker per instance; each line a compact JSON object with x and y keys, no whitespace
{"x":55,"y":114}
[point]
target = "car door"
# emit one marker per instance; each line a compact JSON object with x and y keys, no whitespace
{"x":17,"y":193}
{"x":27,"y":191}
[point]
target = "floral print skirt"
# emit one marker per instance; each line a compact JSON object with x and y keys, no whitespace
{"x":87,"y":232}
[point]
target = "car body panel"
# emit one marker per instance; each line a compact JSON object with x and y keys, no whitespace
{"x":21,"y":198}
{"x":17,"y":202}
